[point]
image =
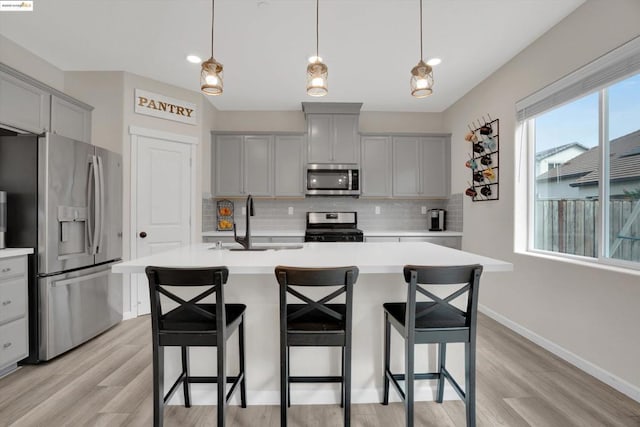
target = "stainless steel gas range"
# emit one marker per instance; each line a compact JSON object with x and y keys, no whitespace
{"x":333,"y":227}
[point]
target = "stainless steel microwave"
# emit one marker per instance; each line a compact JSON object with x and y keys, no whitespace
{"x":325,"y":179}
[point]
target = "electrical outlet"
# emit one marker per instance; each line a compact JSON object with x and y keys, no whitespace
{"x":377,"y":210}
{"x":244,"y":210}
{"x":423,"y":210}
{"x":290,"y":210}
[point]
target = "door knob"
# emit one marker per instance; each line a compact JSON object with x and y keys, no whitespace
{"x":143,"y":234}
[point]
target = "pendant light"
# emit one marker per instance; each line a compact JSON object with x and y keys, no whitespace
{"x":211,"y":73}
{"x":317,"y":72}
{"x":421,"y":74}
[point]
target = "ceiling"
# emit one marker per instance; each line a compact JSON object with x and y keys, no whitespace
{"x":369,"y":46}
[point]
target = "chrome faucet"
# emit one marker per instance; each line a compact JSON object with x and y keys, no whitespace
{"x":246,"y":240}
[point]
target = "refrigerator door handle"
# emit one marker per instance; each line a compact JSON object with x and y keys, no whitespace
{"x":100,"y":236}
{"x":90,"y":196}
{"x":96,"y":203}
{"x":78,"y":279}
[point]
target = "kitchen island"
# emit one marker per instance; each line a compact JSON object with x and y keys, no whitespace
{"x":252,"y":282}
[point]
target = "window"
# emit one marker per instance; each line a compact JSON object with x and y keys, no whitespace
{"x":584,"y":136}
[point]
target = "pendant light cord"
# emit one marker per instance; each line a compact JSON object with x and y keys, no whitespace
{"x":421,"y":30}
{"x":213,"y":11}
{"x":317,"y":26}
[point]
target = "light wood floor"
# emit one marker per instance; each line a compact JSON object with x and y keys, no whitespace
{"x":107,"y":382}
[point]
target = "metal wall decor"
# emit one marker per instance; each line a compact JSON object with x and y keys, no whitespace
{"x":484,"y":159}
{"x":224,"y":215}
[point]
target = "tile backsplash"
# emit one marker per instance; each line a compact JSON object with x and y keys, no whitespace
{"x":394,"y":214}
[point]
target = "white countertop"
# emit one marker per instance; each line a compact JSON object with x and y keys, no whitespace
{"x":10,"y":252}
{"x":257,"y":233}
{"x":371,"y":258}
{"x":367,"y":233}
{"x":412,"y":233}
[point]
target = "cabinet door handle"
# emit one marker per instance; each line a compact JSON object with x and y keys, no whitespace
{"x":6,"y":270}
{"x":7,"y":302}
{"x":6,"y":345}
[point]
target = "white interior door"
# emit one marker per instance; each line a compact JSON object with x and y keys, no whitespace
{"x":163,"y":202}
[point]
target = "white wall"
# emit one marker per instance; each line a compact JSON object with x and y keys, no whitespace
{"x":104,"y":91}
{"x":590,"y":313}
{"x":209,"y":115}
{"x":23,"y":60}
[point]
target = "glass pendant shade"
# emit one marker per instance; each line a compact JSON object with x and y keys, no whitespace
{"x":421,"y":80}
{"x":211,"y":77}
{"x":317,"y":74}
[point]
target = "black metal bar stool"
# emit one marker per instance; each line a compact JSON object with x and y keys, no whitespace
{"x":315,"y":323}
{"x":434,"y":321}
{"x":193,"y":324}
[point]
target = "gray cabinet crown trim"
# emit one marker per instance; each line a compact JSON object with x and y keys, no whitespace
{"x":17,"y":74}
{"x":416,"y":134}
{"x":257,"y":133}
{"x":331,"y":107}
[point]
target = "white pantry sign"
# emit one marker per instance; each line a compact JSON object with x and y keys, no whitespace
{"x":156,"y":105}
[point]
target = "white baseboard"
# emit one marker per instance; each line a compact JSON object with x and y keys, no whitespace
{"x":205,"y":394}
{"x":128,"y":315}
{"x":606,"y":377}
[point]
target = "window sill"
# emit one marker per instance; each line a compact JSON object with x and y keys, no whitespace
{"x":581,"y":261}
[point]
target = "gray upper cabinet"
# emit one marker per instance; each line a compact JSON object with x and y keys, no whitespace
{"x":333,"y":138}
{"x":407,"y":166}
{"x":70,"y":120}
{"x":436,"y":161}
{"x":243,"y":165}
{"x":376,"y":166}
{"x":289,"y":165}
{"x":227,"y":158}
{"x":23,"y":106}
{"x":320,"y":138}
{"x":258,"y":165}
{"x":346,"y":147}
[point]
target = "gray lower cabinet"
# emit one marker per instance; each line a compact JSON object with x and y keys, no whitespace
{"x":376,"y":166}
{"x":256,"y":239}
{"x":13,"y":312}
{"x":287,"y":239}
{"x":243,"y":165}
{"x":381,"y":239}
{"x":454,"y":242}
{"x":70,"y":120}
{"x":289,"y":165}
{"x":23,"y":106}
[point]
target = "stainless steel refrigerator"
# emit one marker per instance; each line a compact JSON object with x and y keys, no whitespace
{"x":64,"y":199}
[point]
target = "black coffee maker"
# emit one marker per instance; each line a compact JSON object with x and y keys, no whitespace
{"x":437,"y":219}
